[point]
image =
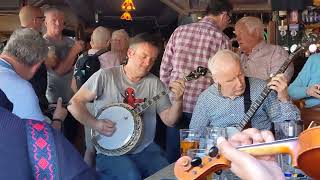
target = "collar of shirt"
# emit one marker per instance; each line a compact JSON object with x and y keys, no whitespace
{"x":259,"y":46}
{"x":5,"y":64}
{"x":256,"y":49}
{"x":208,"y":20}
{"x":214,"y":90}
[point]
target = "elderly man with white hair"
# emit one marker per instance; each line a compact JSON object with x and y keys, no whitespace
{"x":119,"y":47}
{"x":259,"y":59}
{"x":222,"y":104}
{"x":120,"y":44}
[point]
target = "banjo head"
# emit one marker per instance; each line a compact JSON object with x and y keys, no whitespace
{"x":128,"y":132}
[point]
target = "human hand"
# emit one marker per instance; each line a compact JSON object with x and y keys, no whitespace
{"x":279,"y":84}
{"x":106,"y":127}
{"x":78,"y":46}
{"x":314,"y":91}
{"x":51,"y":61}
{"x":60,"y":112}
{"x":245,"y":165}
{"x":177,"y":87}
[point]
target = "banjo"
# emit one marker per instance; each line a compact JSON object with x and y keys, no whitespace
{"x":310,"y":39}
{"x":129,"y":122}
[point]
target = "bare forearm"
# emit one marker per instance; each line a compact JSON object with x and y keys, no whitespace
{"x":172,"y":114}
{"x":66,"y":65}
{"x":81,"y":113}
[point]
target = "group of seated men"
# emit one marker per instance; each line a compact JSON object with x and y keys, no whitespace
{"x":221,"y":104}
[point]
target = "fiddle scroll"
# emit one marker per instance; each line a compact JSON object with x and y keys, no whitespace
{"x":304,"y":150}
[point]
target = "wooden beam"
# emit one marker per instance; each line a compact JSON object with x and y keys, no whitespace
{"x":175,"y":6}
{"x":9,"y":23}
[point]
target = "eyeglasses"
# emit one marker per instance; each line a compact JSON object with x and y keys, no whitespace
{"x":229,"y":15}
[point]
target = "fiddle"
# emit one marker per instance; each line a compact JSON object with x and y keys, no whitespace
{"x":304,"y":151}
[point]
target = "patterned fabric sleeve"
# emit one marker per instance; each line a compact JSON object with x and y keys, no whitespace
{"x":226,"y":43}
{"x":166,"y":64}
{"x":279,"y":111}
{"x":199,"y":118}
{"x":280,"y":56}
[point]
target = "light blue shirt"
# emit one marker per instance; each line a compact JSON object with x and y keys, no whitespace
{"x":308,"y":76}
{"x":212,"y":109}
{"x":20,"y":93}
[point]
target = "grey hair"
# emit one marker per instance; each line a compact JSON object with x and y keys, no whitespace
{"x":27,"y":45}
{"x":251,"y":24}
{"x":53,"y":9}
{"x":120,"y":32}
{"x":221,"y":54}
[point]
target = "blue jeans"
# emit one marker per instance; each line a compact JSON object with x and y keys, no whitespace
{"x":173,"y":137}
{"x":131,"y":166}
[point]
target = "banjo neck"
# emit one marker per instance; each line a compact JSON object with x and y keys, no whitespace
{"x":195,"y":74}
{"x":266,"y":91}
{"x":149,"y":102}
{"x":258,"y":102}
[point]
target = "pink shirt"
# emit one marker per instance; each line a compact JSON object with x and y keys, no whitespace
{"x":108,"y":59}
{"x":264,"y":60}
{"x":191,"y":46}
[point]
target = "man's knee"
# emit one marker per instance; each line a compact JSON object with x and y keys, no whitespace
{"x":117,"y":168}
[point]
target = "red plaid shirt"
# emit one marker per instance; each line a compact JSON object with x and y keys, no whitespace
{"x":191,"y":46}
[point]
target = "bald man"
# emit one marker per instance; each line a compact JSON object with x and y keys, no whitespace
{"x":101,"y":39}
{"x":222,"y":104}
{"x":31,"y":17}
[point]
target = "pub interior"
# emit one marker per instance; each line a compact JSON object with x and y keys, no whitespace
{"x":160,"y":89}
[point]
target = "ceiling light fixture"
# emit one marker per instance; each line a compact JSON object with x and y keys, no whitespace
{"x":126,"y":16}
{"x":128,"y":5}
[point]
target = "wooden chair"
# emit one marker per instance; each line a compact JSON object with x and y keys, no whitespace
{"x":308,"y":114}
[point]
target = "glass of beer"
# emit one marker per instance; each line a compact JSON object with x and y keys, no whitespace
{"x":283,"y":130}
{"x":211,"y":135}
{"x":197,"y":153}
{"x":189,"y":139}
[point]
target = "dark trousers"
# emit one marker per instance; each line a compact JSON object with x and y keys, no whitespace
{"x":74,"y":132}
{"x":173,"y":137}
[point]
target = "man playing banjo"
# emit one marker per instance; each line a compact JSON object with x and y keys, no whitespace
{"x":130,"y":84}
{"x":223,"y":103}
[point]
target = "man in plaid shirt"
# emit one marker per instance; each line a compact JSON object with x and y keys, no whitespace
{"x":191,"y":46}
